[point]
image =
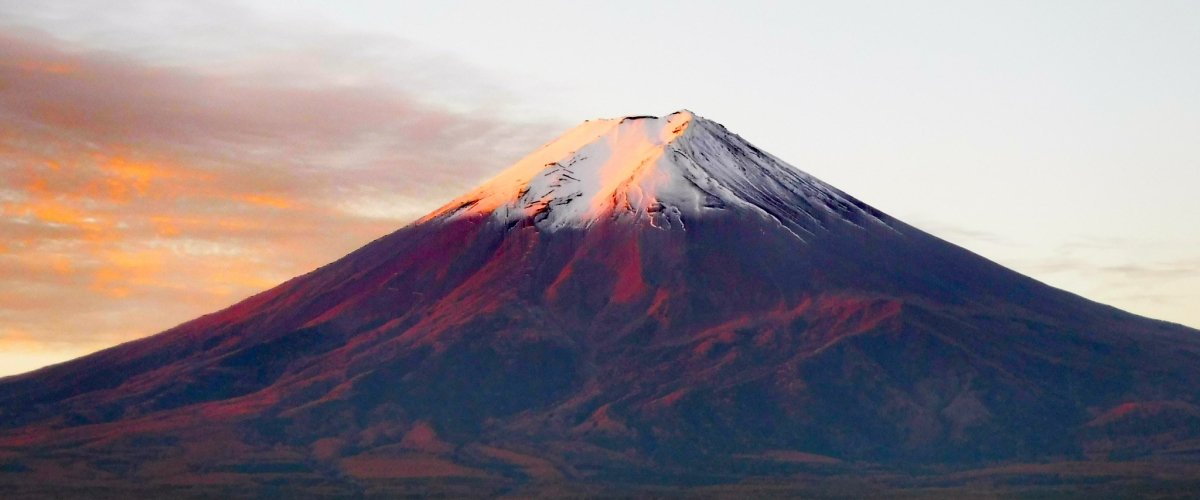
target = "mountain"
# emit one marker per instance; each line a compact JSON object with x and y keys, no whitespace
{"x":644,"y":302}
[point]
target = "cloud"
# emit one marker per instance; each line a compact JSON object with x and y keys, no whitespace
{"x":958,"y":234}
{"x":1115,"y":262}
{"x":1157,"y":272}
{"x":1144,"y":277}
{"x":136,"y":193}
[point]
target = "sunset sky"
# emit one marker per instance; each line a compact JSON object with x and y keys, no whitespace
{"x":161,"y":160}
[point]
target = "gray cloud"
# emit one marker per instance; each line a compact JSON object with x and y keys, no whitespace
{"x":1160,"y":271}
{"x":959,"y":234}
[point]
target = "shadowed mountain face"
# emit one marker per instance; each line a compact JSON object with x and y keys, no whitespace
{"x":646,"y":300}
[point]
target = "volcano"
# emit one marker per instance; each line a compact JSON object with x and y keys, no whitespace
{"x":642,"y":303}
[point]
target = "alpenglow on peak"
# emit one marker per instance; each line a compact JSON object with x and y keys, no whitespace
{"x":661,"y":171}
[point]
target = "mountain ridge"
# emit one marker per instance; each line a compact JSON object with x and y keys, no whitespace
{"x":623,"y":345}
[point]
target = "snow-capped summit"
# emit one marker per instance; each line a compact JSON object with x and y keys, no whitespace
{"x":659,"y":170}
{"x":643,"y":299}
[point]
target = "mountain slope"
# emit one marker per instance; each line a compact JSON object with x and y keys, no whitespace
{"x":642,"y":299}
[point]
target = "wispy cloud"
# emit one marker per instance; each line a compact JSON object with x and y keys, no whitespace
{"x":1115,"y":260}
{"x":1154,"y":278}
{"x":958,"y":234}
{"x":1140,"y":276}
{"x":1158,"y":272}
{"x":135,"y":192}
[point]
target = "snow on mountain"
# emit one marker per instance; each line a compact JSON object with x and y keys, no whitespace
{"x":662,"y":171}
{"x":643,"y":301}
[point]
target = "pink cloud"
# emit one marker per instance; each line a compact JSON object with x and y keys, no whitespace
{"x":134,"y":196}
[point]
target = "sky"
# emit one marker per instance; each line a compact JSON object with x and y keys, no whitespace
{"x":161,"y":160}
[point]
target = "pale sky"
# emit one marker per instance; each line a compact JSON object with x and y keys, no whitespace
{"x":160,"y":160}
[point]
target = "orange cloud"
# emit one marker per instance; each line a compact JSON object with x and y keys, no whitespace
{"x":269,"y":200}
{"x":126,"y":176}
{"x":134,"y":197}
{"x":51,"y":67}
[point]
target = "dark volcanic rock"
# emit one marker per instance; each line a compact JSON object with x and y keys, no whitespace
{"x":755,"y":322}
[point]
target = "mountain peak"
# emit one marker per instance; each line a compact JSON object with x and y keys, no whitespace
{"x":660,"y":171}
{"x":682,"y":114}
{"x":643,"y":301}
{"x":591,"y":170}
